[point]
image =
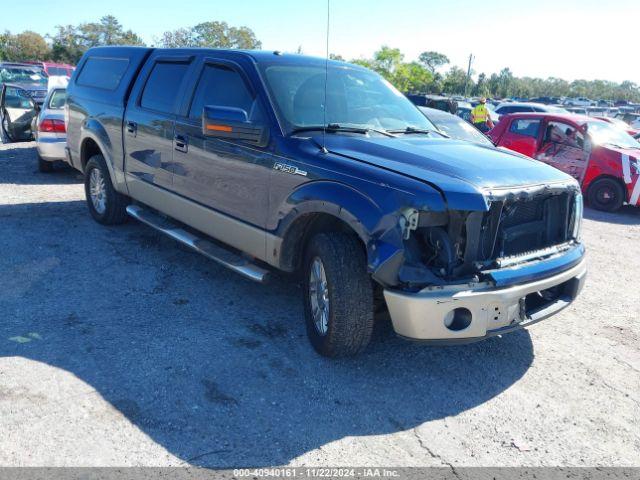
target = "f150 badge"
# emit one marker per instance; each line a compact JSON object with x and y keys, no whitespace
{"x":281,"y":167}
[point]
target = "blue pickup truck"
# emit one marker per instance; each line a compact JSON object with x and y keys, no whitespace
{"x":261,"y":160}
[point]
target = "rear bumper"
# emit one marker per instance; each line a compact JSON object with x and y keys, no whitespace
{"x":51,"y":149}
{"x":475,"y":312}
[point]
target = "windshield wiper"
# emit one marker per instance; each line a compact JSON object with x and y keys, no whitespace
{"x":425,"y":131}
{"x":335,"y":127}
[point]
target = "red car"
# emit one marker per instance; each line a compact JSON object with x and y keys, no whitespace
{"x":603,"y":158}
{"x":55,"y":69}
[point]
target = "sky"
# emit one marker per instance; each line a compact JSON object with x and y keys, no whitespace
{"x":568,"y":39}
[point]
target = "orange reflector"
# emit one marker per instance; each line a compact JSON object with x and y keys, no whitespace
{"x":220,"y":128}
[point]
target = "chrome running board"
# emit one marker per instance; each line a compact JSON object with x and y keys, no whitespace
{"x":219,"y":254}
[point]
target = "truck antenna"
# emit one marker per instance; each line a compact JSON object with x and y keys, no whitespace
{"x":326,"y":79}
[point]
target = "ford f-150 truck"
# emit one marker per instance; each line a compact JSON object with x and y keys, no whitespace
{"x":262,"y":160}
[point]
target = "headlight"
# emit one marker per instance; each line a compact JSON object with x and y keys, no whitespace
{"x":578,"y":208}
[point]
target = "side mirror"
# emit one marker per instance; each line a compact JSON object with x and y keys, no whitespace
{"x":233,"y":124}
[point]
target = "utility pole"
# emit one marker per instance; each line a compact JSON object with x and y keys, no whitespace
{"x":466,"y":82}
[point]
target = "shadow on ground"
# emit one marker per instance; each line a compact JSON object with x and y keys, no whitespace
{"x":627,"y":215}
{"x":212,"y":367}
{"x":20,"y":167}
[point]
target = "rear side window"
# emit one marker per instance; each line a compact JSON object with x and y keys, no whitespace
{"x":58,"y":99}
{"x":163,"y":85}
{"x":526,"y":127}
{"x":223,"y":87}
{"x":103,"y":73}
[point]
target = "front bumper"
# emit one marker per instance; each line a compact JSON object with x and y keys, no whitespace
{"x":475,"y":312}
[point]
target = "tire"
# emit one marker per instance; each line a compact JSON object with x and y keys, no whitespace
{"x":349,"y":317}
{"x":606,"y":194}
{"x":44,"y":166}
{"x":110,"y":206}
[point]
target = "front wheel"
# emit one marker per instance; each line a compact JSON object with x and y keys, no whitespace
{"x":606,"y":194}
{"x":338,"y":295}
{"x":105,"y":204}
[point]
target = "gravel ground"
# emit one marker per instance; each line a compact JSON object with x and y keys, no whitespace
{"x":117,"y":348}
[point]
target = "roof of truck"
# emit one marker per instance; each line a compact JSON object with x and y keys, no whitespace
{"x":270,"y":56}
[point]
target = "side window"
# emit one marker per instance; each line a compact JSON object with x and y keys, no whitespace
{"x":103,"y":73}
{"x":563,"y":134}
{"x":526,"y":127}
{"x":163,"y":86}
{"x":224,"y":87}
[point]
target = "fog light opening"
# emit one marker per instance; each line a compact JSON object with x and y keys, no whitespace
{"x":458,"y":319}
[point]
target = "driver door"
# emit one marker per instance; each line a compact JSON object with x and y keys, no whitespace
{"x":564,"y":147}
{"x":17,"y":111}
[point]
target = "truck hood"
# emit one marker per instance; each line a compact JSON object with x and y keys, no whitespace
{"x":455,"y":167}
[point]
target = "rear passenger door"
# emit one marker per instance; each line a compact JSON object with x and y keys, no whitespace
{"x":149,"y":121}
{"x":227,"y":175}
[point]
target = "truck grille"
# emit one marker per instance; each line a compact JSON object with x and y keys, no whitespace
{"x":522,"y":226}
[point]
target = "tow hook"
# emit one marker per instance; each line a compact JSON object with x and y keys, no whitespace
{"x":408,"y":222}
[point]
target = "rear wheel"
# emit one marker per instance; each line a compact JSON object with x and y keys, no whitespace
{"x":338,"y":295}
{"x":44,"y":166}
{"x":606,"y":194}
{"x":105,"y":204}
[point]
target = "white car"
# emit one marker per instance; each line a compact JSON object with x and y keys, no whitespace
{"x":50,"y":132}
{"x":578,"y":102}
{"x":506,"y":108}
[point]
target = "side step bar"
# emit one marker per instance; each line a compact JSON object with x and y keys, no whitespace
{"x":219,"y":254}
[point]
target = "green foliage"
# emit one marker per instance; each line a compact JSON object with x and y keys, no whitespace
{"x":24,"y":46}
{"x":423,"y":77}
{"x":70,"y":42}
{"x":212,"y":35}
{"x":406,"y":77}
{"x":433,"y":60}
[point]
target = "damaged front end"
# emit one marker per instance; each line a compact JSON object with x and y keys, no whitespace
{"x":465,"y":246}
{"x":467,"y":275}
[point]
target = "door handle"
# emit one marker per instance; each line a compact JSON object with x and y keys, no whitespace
{"x":132,"y":128}
{"x":181,"y":143}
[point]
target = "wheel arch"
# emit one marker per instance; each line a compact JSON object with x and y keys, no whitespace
{"x":327,"y":206}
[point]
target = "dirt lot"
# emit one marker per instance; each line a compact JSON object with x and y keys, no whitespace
{"x":118,"y":348}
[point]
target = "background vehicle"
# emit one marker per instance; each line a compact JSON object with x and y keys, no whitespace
{"x":30,"y":78}
{"x":525,"y":107}
{"x":364,"y":197}
{"x":446,"y":104}
{"x":455,"y":127}
{"x":632,"y":119}
{"x":578,"y":102}
{"x":17,"y":111}
{"x":604,"y":159}
{"x":49,"y":130}
{"x":621,"y":124}
{"x":55,"y":69}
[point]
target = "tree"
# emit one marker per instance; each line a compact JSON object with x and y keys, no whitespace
{"x":70,"y":42}
{"x":412,"y":78}
{"x":455,"y":81}
{"x":433,"y":60}
{"x":212,"y":35}
{"x":25,"y":46}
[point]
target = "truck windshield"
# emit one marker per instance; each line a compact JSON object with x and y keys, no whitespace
{"x":355,"y":97}
{"x":21,"y":75}
{"x":605,"y":134}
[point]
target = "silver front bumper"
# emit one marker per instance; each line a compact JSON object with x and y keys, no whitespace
{"x":474,"y":312}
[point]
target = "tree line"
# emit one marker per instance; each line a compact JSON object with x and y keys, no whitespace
{"x":430,"y":73}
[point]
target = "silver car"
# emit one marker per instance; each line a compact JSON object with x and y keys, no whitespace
{"x":50,"y":131}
